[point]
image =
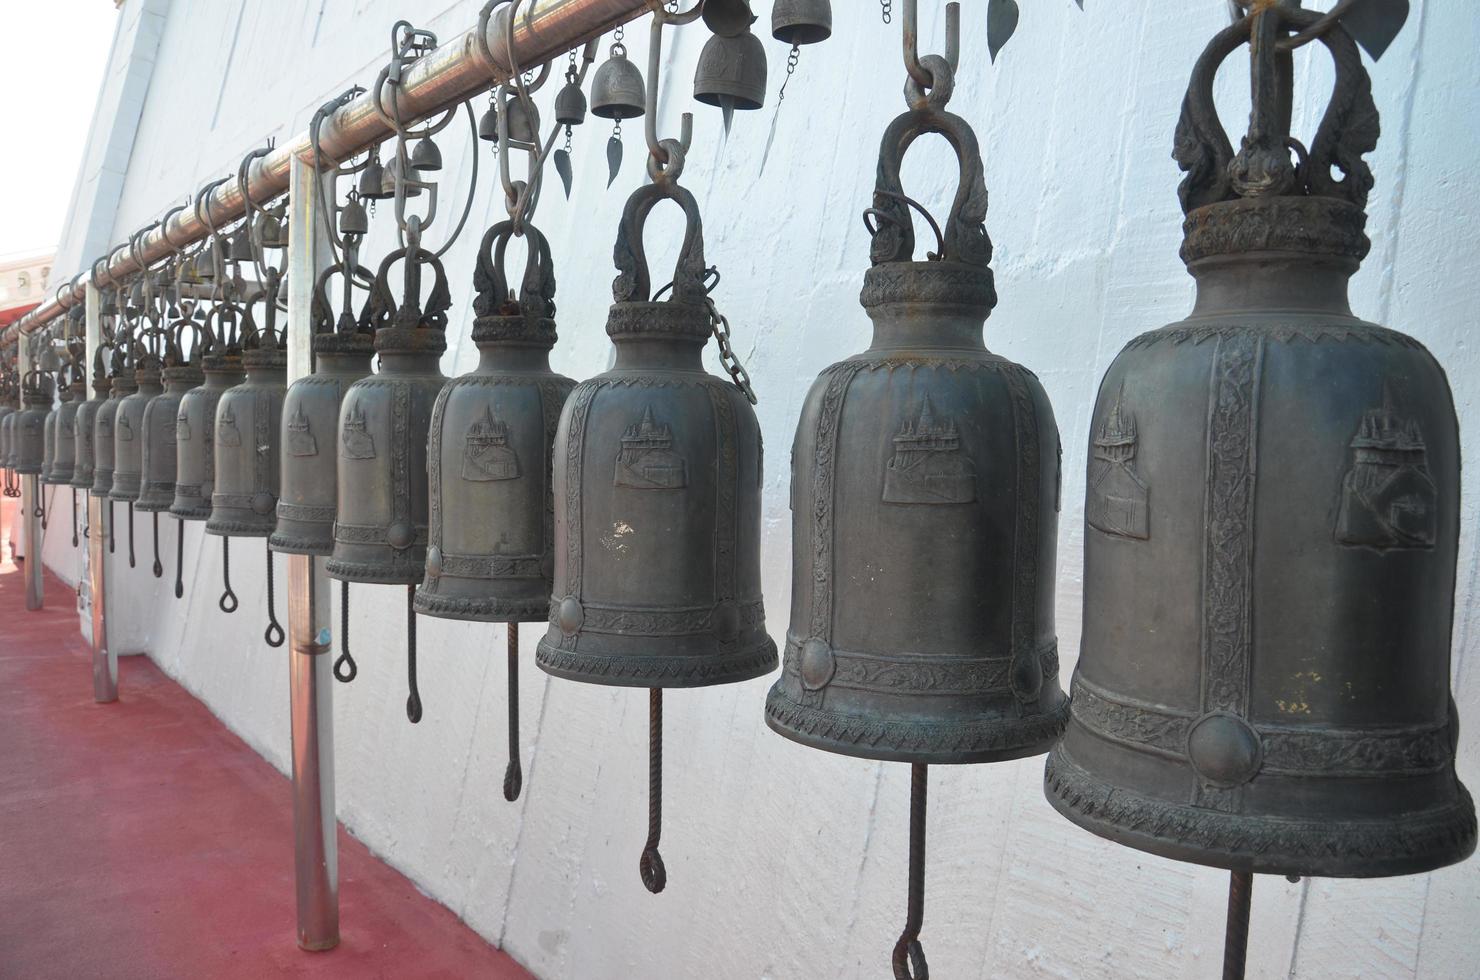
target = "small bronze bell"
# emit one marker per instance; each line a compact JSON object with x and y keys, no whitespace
{"x":617,"y":90}
{"x":657,"y":488}
{"x":86,"y":423}
{"x":732,"y":72}
{"x":426,"y":157}
{"x":801,"y":21}
{"x":728,"y":18}
{"x":342,"y":353}
{"x":523,"y":122}
{"x":570,"y":105}
{"x":1265,"y":677}
{"x":924,"y":493}
{"x":28,"y":434}
{"x":373,"y":185}
{"x":488,"y":123}
{"x":490,"y":543}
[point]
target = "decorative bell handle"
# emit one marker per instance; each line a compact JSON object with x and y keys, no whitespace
{"x":633,"y":283}
{"x":536,"y":296}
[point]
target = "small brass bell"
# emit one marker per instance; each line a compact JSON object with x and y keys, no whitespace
{"x":373,"y":183}
{"x":732,"y":72}
{"x":523,"y":121}
{"x":570,"y":105}
{"x":352,"y":217}
{"x":426,"y":157}
{"x":488,"y":124}
{"x":388,"y":181}
{"x":801,"y":21}
{"x":272,"y":230}
{"x":491,"y":540}
{"x":86,"y":423}
{"x":239,"y":246}
{"x":617,"y":90}
{"x":657,"y":489}
{"x":728,"y":18}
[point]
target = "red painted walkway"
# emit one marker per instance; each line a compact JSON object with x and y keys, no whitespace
{"x":142,"y":839}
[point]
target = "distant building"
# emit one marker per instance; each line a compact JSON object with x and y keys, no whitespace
{"x":25,"y":279}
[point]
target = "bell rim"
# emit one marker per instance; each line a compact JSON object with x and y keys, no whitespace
{"x":361,"y":571}
{"x":480,"y":609}
{"x":1446,"y":833}
{"x":226,"y":527}
{"x":785,"y":716}
{"x":743,"y":664}
{"x":290,"y":542}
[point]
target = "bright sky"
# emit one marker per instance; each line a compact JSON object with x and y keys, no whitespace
{"x":56,"y":51}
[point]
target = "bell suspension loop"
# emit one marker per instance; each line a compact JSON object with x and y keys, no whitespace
{"x":179,"y":558}
{"x":158,"y":565}
{"x":514,"y":772}
{"x":413,"y":695}
{"x":228,"y":601}
{"x":909,"y":955}
{"x":345,"y":667}
{"x":274,"y":635}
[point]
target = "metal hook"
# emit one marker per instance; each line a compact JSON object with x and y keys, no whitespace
{"x":917,"y":71}
{"x":663,"y":161}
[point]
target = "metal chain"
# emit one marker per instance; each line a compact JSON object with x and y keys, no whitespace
{"x":791,"y":69}
{"x":887,"y":9}
{"x":727,"y":357}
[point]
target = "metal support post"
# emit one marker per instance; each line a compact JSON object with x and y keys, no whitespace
{"x":310,"y":677}
{"x":105,"y":661}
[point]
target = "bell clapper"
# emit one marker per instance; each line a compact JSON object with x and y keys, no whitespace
{"x":74,"y":518}
{"x":514,"y":773}
{"x":158,"y":565}
{"x":131,"y":562}
{"x":909,"y":955}
{"x":413,"y":696}
{"x":1236,"y":939}
{"x":345,"y":667}
{"x":41,"y":507}
{"x":228,"y":602}
{"x":654,"y":874}
{"x":111,"y":541}
{"x":274,"y":635}
{"x":179,"y":558}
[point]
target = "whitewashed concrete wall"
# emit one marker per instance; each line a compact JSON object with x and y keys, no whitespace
{"x":786,"y":862}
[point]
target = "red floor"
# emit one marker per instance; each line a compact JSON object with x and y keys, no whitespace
{"x":142,"y":839}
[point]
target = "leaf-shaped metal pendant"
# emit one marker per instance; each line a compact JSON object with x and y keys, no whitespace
{"x":613,"y":159}
{"x":1002,"y":21}
{"x":1374,"y":23}
{"x":562,"y":167}
{"x":727,"y":109}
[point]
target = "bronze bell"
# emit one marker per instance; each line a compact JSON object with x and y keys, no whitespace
{"x":728,"y":18}
{"x":924,"y":495}
{"x":801,"y":21}
{"x":657,"y":489}
{"x":310,"y":422}
{"x":1272,"y":522}
{"x":122,"y":384}
{"x":732,"y":72}
{"x":617,"y":90}
{"x":49,"y":440}
{"x":28,"y":433}
{"x":64,"y":453}
{"x":426,"y":157}
{"x":160,"y":428}
{"x":523,"y":121}
{"x":7,"y":428}
{"x":248,"y":422}
{"x":570,"y":104}
{"x":381,"y":526}
{"x":128,"y":430}
{"x":195,"y":421}
{"x":490,"y":543}
{"x":373,"y":185}
{"x":86,"y":422}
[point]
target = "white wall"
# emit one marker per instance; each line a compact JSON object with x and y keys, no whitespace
{"x":786,"y":862}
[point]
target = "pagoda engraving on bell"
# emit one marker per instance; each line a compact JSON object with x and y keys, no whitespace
{"x":932,"y":463}
{"x":647,"y":460}
{"x":1263,"y":684}
{"x":492,"y":534}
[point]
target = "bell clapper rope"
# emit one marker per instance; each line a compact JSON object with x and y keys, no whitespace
{"x":158,"y":568}
{"x":274,"y":635}
{"x":909,"y":955}
{"x":514,"y":772}
{"x":179,"y":557}
{"x":228,"y":601}
{"x":345,"y":667}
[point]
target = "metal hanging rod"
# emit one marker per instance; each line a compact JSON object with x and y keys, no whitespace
{"x":452,"y":73}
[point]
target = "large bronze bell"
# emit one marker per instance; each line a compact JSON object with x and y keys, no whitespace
{"x":28,"y":435}
{"x":121,"y":385}
{"x":1272,"y":522}
{"x":657,"y":488}
{"x":731,"y":72}
{"x":248,"y":424}
{"x":128,"y":429}
{"x":86,"y":423}
{"x":195,"y":421}
{"x":72,"y":395}
{"x":161,"y":447}
{"x":491,"y":540}
{"x":342,"y":352}
{"x":49,"y":437}
{"x":925,"y":499}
